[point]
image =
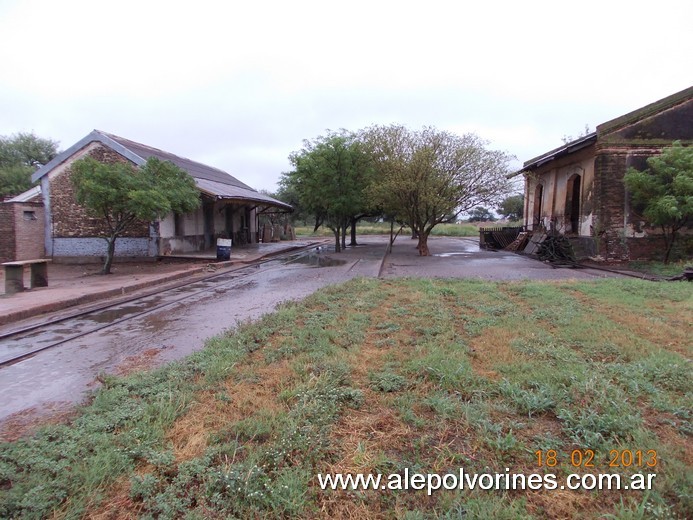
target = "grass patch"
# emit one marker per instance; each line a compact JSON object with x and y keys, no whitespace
{"x":659,"y":268}
{"x":463,"y":229}
{"x":387,"y":376}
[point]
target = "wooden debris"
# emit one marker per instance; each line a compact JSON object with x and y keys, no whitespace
{"x":520,"y":242}
{"x":687,"y":275}
{"x":557,"y":249}
{"x":533,"y":245}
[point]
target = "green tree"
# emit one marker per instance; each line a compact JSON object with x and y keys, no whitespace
{"x":481,"y":214}
{"x":428,"y":177}
{"x":663,"y":193}
{"x":121,"y":195}
{"x":328,"y":180}
{"x":512,"y":207}
{"x":20,"y":154}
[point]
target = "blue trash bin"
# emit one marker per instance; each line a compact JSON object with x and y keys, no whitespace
{"x":223,"y":249}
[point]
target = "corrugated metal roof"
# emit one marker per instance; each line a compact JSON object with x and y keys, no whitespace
{"x":573,"y":146}
{"x":195,"y":169}
{"x":226,"y":191}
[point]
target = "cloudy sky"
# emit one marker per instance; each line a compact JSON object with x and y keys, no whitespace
{"x":240,"y":84}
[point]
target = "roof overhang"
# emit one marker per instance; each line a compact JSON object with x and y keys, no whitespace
{"x":221,"y":191}
{"x":566,"y":149}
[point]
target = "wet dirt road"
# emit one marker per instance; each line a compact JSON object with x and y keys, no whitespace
{"x":61,"y":376}
{"x":462,"y":258}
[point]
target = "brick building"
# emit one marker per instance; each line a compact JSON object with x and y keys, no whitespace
{"x":229,"y":209}
{"x":21,"y":227}
{"x":578,"y":190}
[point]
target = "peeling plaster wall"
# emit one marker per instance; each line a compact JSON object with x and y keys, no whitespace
{"x":554,"y":177}
{"x":606,"y":211}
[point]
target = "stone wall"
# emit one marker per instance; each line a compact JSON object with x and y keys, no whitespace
{"x":96,"y":247}
{"x":69,"y":218}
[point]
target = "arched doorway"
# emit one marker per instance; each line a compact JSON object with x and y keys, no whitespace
{"x":536,"y":212}
{"x":572,"y":205}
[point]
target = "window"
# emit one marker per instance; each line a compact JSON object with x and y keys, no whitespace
{"x":29,"y":215}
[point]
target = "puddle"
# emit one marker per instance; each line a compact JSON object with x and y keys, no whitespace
{"x":239,"y":287}
{"x":114,"y":314}
{"x":447,"y":255}
{"x":316,"y":257}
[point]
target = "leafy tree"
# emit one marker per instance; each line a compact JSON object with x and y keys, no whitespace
{"x":512,"y":207}
{"x":664,"y":191}
{"x":430,"y":176}
{"x":20,"y":154}
{"x":481,"y":214}
{"x":287,"y":193}
{"x":328,"y":181}
{"x":121,"y":195}
{"x":14,"y":180}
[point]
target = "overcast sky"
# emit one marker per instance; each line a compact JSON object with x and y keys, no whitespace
{"x":240,"y":84}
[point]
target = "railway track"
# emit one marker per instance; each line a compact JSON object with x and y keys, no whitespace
{"x":28,"y":341}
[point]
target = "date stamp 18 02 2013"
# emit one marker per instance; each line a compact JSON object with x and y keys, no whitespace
{"x":587,"y":458}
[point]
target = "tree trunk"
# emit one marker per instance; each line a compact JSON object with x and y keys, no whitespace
{"x":110,"y":253}
{"x":423,"y":244}
{"x":353,"y":232}
{"x":318,"y":223}
{"x":392,"y":237}
{"x":669,"y":243}
{"x":344,"y":228}
{"x":335,"y":230}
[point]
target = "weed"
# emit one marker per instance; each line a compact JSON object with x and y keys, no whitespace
{"x":387,"y":381}
{"x":457,"y":373}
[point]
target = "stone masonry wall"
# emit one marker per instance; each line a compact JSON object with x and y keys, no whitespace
{"x":69,"y":218}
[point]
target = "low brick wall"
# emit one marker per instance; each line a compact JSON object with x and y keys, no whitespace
{"x":652,"y":248}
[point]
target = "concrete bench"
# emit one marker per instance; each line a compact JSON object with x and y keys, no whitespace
{"x":14,"y":274}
